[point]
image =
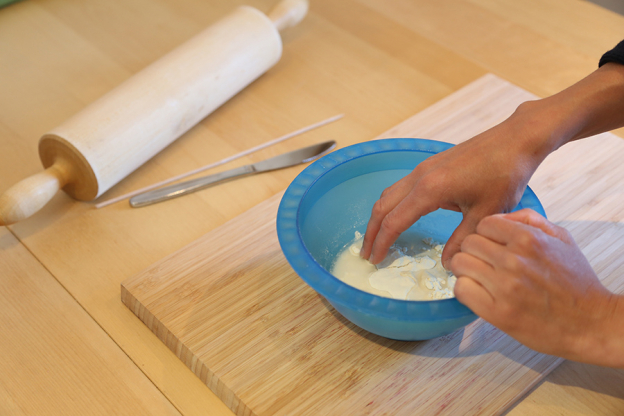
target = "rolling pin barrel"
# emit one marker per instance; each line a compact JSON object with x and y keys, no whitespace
{"x":113,"y":136}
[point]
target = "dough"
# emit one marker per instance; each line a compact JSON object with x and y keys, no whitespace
{"x":409,"y":274}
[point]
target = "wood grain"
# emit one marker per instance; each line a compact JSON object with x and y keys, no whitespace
{"x":91,"y":252}
{"x":233,"y":310}
{"x":113,"y":136}
{"x":59,"y":360}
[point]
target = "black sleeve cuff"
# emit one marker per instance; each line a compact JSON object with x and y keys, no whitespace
{"x":614,"y":55}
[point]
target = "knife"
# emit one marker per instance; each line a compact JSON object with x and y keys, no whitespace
{"x":296,"y":157}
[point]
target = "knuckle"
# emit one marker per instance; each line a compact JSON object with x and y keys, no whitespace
{"x":389,"y":226}
{"x":379,"y":209}
{"x":385,"y":192}
{"x":528,"y":241}
{"x":429,"y":184}
{"x":422,"y":167}
{"x":511,"y":262}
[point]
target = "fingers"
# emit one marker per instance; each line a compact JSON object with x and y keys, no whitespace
{"x":464,"y":264}
{"x":406,"y":213}
{"x":389,"y":199}
{"x":453,"y":245}
{"x":529,"y":217}
{"x":482,"y":248}
{"x":524,"y":231}
{"x":501,"y":229}
{"x":470,"y":293}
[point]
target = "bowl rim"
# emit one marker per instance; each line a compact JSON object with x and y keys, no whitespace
{"x":329,"y":286}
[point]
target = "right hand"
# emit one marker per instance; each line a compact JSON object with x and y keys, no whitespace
{"x":527,"y":276}
{"x":483,"y":176}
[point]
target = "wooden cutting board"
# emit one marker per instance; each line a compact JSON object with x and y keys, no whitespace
{"x":231,"y":308}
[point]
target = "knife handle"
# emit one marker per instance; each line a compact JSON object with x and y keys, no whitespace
{"x":187,"y":187}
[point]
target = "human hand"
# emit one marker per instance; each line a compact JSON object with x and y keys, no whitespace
{"x":482,"y":176}
{"x":488,"y":173}
{"x":527,"y":277}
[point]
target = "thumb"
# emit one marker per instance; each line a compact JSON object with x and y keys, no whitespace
{"x":453,"y":245}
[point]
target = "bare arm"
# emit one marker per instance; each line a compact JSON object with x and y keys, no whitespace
{"x":518,"y":271}
{"x":487,"y":174}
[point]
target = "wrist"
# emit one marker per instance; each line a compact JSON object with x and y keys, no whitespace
{"x":603,"y":340}
{"x":591,"y":106}
{"x":535,"y":132}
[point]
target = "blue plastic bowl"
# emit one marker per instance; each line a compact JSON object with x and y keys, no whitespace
{"x":331,"y":199}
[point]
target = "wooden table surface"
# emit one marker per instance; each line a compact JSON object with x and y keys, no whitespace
{"x":67,"y":343}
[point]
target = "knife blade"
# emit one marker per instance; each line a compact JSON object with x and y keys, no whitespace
{"x":296,"y":157}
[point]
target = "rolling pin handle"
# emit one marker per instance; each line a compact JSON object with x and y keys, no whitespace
{"x":288,"y":13}
{"x":30,"y":195}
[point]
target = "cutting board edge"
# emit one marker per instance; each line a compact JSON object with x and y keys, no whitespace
{"x":150,"y":320}
{"x":199,"y":368}
{"x":141,"y":310}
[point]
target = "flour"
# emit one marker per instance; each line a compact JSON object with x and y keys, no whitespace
{"x":409,"y":274}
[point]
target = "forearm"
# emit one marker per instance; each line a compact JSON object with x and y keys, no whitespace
{"x":591,"y":106}
{"x":488,"y":174}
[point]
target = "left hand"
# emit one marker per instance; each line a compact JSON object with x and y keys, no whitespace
{"x":526,"y":276}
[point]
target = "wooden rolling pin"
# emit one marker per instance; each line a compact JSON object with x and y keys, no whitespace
{"x":110,"y":138}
